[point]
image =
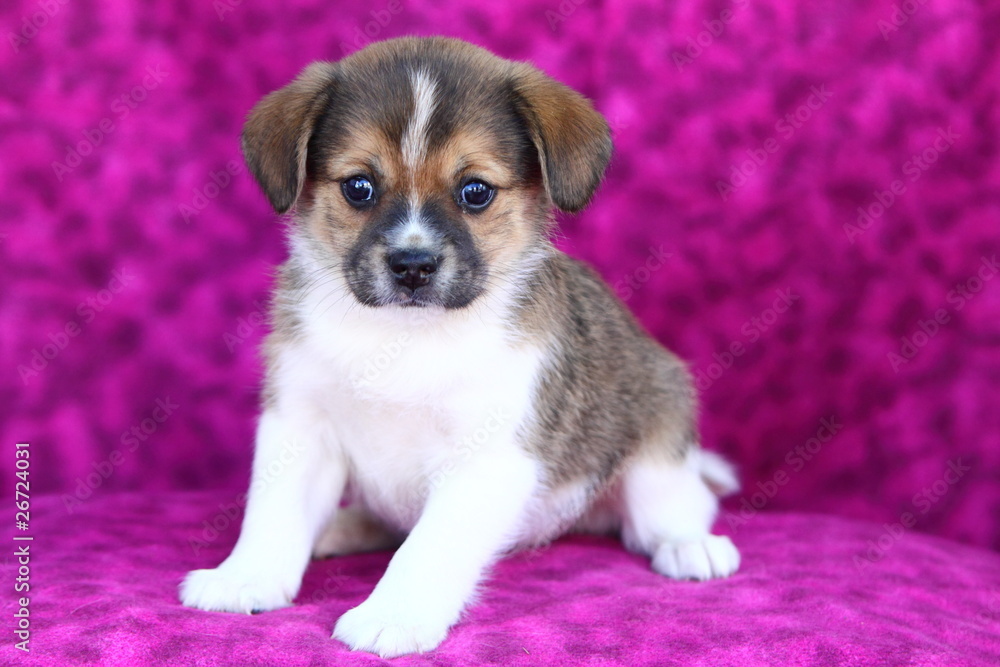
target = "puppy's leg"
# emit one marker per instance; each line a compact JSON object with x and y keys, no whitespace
{"x":353,"y":530}
{"x":669,"y":509}
{"x":467,"y":522}
{"x":296,"y":483}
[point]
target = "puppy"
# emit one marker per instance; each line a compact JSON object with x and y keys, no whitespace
{"x":437,"y":370}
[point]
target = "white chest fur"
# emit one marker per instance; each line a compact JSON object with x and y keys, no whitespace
{"x":407,"y":395}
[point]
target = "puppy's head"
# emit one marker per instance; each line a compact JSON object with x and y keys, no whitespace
{"x":425,"y":169}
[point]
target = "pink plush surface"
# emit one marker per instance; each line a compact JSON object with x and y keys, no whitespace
{"x":109,"y":577}
{"x":134,"y":280}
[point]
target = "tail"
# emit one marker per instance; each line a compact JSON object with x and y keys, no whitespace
{"x":718,"y":473}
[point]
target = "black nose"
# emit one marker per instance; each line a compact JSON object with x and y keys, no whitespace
{"x":412,"y":268}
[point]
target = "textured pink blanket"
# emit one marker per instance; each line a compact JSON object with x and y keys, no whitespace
{"x":807,"y":595}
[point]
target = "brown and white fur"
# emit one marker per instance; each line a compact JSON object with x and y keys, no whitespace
{"x":495,"y":395}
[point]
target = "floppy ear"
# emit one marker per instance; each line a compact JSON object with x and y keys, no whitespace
{"x":572,"y":139}
{"x":277,"y":132}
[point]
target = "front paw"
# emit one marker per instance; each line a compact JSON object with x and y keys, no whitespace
{"x":223,"y":589}
{"x":712,"y":557}
{"x":392,"y":630}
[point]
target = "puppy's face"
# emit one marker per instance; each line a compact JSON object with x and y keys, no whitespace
{"x":424,"y":169}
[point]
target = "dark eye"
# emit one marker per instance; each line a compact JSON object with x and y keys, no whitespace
{"x":358,"y":190}
{"x":476,"y":195}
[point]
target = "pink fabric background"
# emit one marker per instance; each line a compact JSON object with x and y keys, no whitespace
{"x":155,"y":94}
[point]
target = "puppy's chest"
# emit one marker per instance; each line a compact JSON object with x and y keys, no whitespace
{"x":409,"y":407}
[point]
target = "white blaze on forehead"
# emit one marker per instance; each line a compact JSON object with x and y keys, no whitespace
{"x":415,"y":136}
{"x":413,"y":232}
